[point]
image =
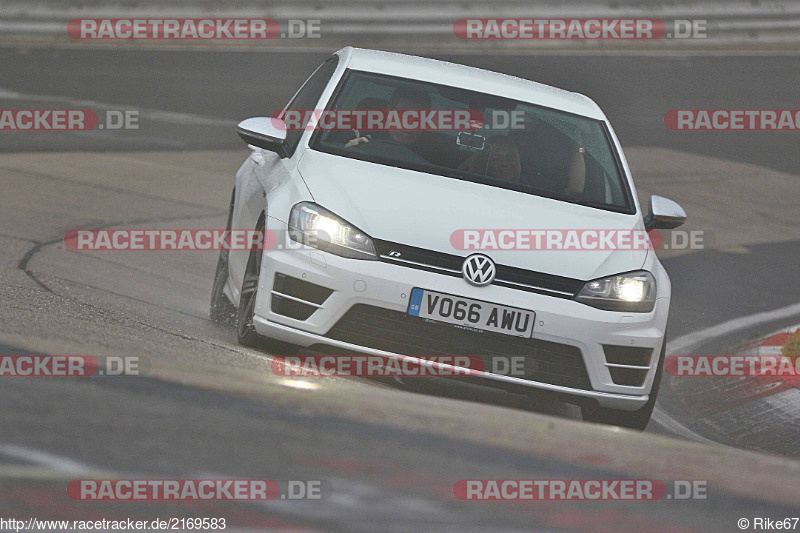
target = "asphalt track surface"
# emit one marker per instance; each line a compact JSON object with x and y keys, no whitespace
{"x":387,"y":458}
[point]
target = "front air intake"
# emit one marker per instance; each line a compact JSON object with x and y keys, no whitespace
{"x":628,"y":365}
{"x":296,"y":298}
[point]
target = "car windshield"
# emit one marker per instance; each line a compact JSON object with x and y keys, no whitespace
{"x":475,"y":137}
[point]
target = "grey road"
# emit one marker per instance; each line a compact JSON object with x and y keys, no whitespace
{"x":386,"y":458}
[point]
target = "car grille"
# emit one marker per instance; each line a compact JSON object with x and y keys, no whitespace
{"x":398,"y":332}
{"x":450,"y":265}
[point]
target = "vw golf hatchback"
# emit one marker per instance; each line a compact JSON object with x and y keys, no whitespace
{"x":487,"y":224}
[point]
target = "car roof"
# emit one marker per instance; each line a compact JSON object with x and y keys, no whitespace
{"x":472,"y":78}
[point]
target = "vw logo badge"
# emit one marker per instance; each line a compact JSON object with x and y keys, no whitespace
{"x":478,"y":270}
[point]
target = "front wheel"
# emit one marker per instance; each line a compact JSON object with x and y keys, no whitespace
{"x":221,"y":310}
{"x":629,"y":419}
{"x":245,"y":329}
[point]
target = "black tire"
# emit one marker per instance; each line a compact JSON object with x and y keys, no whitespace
{"x":221,"y":310}
{"x":629,"y":419}
{"x":245,"y":330}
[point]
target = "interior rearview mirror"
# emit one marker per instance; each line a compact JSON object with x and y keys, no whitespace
{"x":664,"y":214}
{"x":264,"y":132}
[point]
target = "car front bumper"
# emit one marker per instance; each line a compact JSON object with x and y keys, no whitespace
{"x":388,"y":287}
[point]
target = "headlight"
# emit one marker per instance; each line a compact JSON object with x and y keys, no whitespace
{"x":317,"y":227}
{"x":634,"y":292}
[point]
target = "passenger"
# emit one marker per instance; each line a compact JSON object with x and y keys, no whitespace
{"x":499,"y":160}
{"x":504,"y":161}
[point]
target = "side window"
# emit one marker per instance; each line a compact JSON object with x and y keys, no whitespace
{"x":307,"y":98}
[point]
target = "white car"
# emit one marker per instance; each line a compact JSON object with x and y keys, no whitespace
{"x":373,"y":216}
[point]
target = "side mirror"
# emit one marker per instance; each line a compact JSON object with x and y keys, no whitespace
{"x":664,"y":214}
{"x":264,"y":132}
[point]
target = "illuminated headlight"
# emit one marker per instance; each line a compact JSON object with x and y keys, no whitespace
{"x":634,"y":292}
{"x":317,"y":227}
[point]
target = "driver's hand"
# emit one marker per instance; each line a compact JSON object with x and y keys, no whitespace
{"x":356,"y":142}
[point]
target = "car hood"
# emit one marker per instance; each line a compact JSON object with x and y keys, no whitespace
{"x":424,"y":210}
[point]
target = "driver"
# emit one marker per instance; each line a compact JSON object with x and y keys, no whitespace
{"x":405,"y":140}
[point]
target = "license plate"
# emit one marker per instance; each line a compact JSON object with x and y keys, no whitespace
{"x":475,"y":314}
